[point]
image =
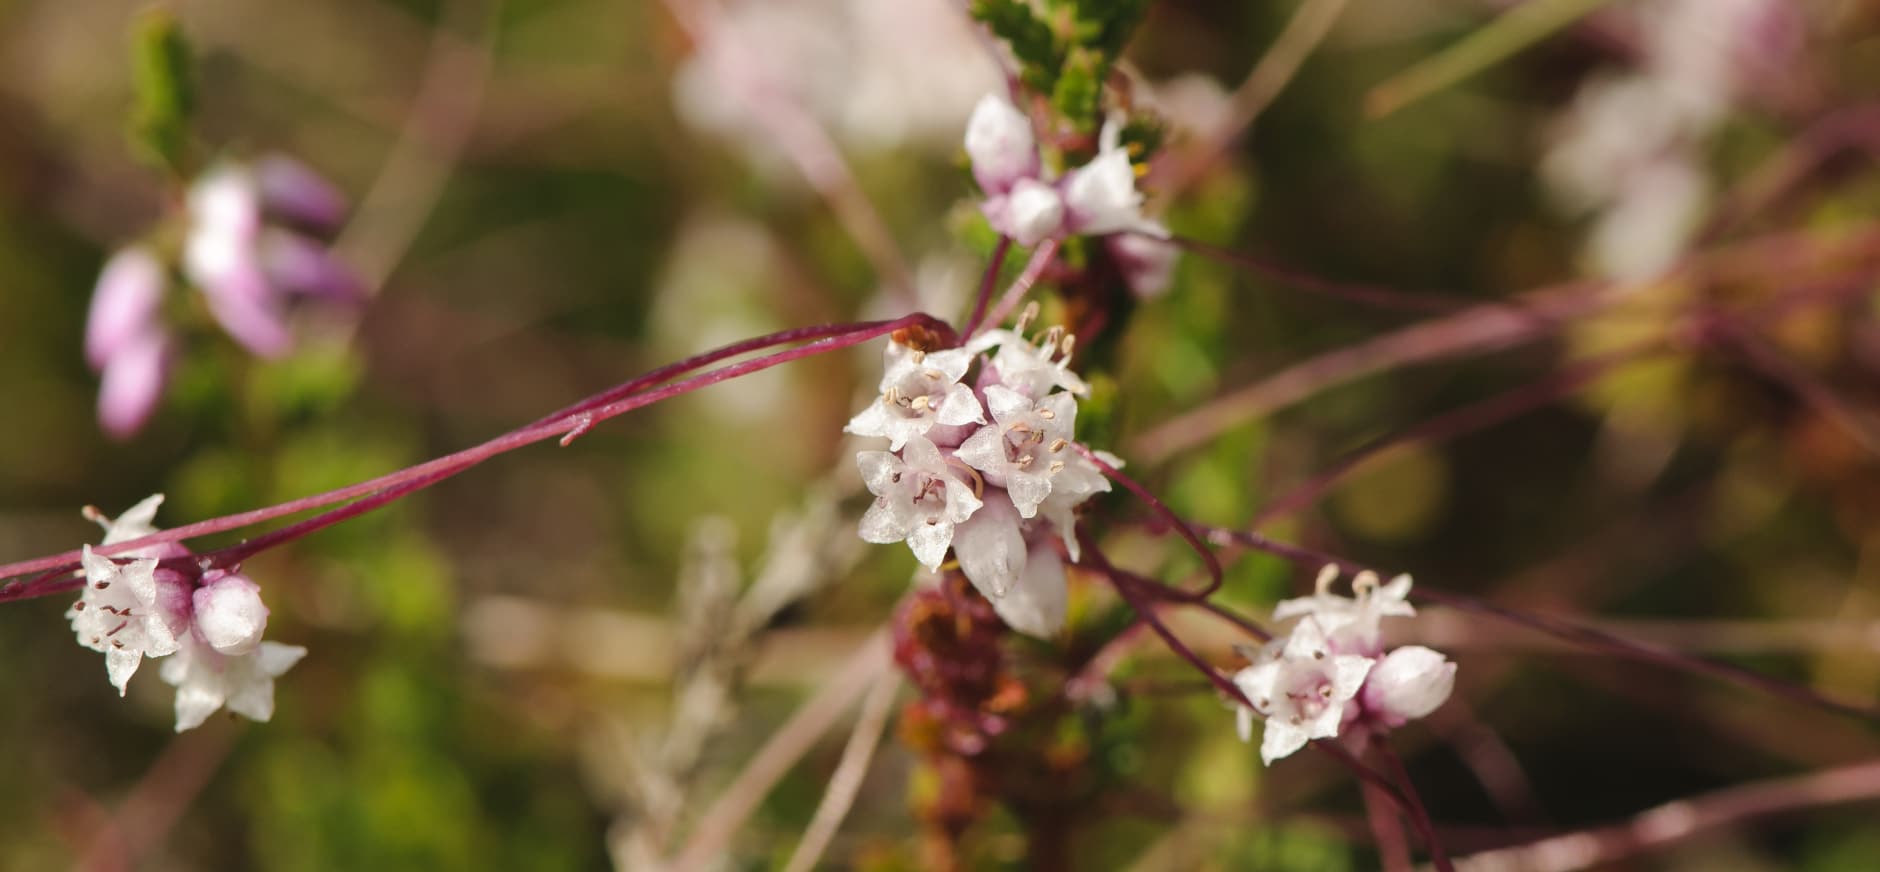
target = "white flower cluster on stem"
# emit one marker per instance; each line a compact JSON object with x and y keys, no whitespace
{"x":135,"y":608}
{"x":1332,"y":670}
{"x":986,"y":469}
{"x":1025,"y":203}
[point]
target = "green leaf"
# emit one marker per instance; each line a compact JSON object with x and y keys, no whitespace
{"x":1515,"y":30}
{"x":165,"y":94}
{"x":1031,"y":39}
{"x":1079,"y":85}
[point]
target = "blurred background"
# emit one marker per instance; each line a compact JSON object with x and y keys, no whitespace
{"x":518,"y":667}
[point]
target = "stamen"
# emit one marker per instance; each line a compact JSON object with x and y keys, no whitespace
{"x":917,"y":356}
{"x":1056,"y":466}
{"x":1327,"y":574}
{"x":1047,"y":414}
{"x":1364,"y":584}
{"x":1025,"y":317}
{"x":1069,"y":343}
{"x":921,"y":403}
{"x":1058,"y":445}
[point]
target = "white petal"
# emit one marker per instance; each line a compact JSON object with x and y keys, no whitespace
{"x":1027,"y":491}
{"x":878,"y":469}
{"x":1000,"y":142}
{"x":991,"y":549}
{"x":1006,"y":404}
{"x":960,"y":406}
{"x":1280,"y":740}
{"x":1035,"y":605}
{"x":136,"y":522}
{"x":120,"y":664}
{"x":929,"y":542}
{"x":872,"y":421}
{"x":1034,"y":212}
{"x":985,"y":451}
{"x":1100,"y":197}
{"x":883,"y":525}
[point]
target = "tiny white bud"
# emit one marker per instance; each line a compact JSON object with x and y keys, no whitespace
{"x":1408,"y":683}
{"x":230,"y":615}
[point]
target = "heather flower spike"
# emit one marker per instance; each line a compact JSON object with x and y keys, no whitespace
{"x":1096,"y":199}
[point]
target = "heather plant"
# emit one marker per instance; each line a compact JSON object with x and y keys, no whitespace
{"x":1163,"y":482}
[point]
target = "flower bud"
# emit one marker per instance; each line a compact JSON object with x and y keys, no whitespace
{"x":297,"y":264}
{"x":230,"y":615}
{"x":1000,"y":143}
{"x":123,"y":305}
{"x":1033,"y":211}
{"x":133,"y":383}
{"x":1409,"y":683}
{"x":295,"y":193}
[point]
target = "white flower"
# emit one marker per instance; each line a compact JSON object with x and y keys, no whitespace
{"x":918,"y":390}
{"x":229,"y":613}
{"x":1030,"y":214}
{"x":1027,"y":445}
{"x":1078,"y":481}
{"x":1036,"y":604}
{"x":1409,"y":683}
{"x":206,"y":680}
{"x":918,"y":497}
{"x":992,"y":548}
{"x":1301,"y":688}
{"x":128,"y":613}
{"x":1000,"y":142}
{"x":1032,"y":369}
{"x":1352,"y":624}
{"x":1100,"y":197}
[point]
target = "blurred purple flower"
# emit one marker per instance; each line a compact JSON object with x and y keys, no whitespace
{"x":133,"y":381}
{"x":123,"y":305}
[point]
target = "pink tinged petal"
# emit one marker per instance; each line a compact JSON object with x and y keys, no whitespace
{"x":230,"y":615}
{"x":1027,"y":491}
{"x":1033,"y":213}
{"x":1100,"y":197}
{"x":132,"y":384}
{"x":1036,"y":605}
{"x":135,"y":522}
{"x":920,"y":454}
{"x":1148,"y":265}
{"x":253,"y":697}
{"x":290,"y":189}
{"x":1411,"y":682}
{"x":875,"y":421}
{"x":225,"y":201}
{"x":248,"y":310}
{"x":120,"y":664}
{"x":959,"y":407}
{"x":929,"y":541}
{"x":296,"y":264}
{"x":985,"y":451}
{"x":1281,"y":739}
{"x":991,"y":550}
{"x":882,"y":525}
{"x":1000,"y":142}
{"x":124,"y":304}
{"x":1006,"y":404}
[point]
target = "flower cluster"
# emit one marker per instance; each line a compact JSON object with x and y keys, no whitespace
{"x":252,"y":247}
{"x":132,"y":608}
{"x":1332,"y":671}
{"x":1631,"y":148}
{"x":988,"y":468}
{"x":1026,"y":204}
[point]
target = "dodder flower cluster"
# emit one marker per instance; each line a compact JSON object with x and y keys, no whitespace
{"x":133,"y":608}
{"x":1332,"y":670}
{"x":988,"y":468}
{"x":1023,"y":202}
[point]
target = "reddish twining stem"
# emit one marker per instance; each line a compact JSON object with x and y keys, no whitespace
{"x":1175,"y":522}
{"x":1133,"y":592}
{"x":384,"y":489}
{"x":1560,"y":628}
{"x":986,"y":284}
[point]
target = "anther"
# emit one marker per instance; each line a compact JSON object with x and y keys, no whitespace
{"x":1327,"y":574}
{"x":1056,"y":467}
{"x":1047,"y":414}
{"x":1058,"y":445}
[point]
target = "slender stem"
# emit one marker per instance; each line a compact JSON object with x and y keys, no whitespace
{"x":1371,"y":295}
{"x":1040,"y":258}
{"x":608,"y":404}
{"x":846,"y":782}
{"x":1419,"y":815}
{"x":1457,"y":422}
{"x":1215,"y":573}
{"x":1676,"y":821}
{"x":1562,"y":628}
{"x":986,"y":284}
